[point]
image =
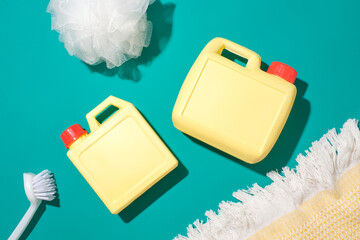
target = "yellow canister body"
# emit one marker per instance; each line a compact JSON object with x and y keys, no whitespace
{"x":122,"y":157}
{"x":239,"y":110}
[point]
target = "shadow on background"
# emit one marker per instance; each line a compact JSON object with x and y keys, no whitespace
{"x":151,"y":195}
{"x":283,"y":149}
{"x":40,"y":211}
{"x":161,"y":16}
{"x":156,"y":191}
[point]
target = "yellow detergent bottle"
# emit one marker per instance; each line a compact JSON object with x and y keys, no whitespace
{"x":239,"y":110}
{"x":122,"y":157}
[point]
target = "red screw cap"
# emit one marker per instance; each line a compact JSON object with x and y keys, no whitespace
{"x":282,"y":70}
{"x":71,"y":134}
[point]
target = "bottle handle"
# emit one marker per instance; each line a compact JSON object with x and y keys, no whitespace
{"x":111,"y":100}
{"x":217,"y":45}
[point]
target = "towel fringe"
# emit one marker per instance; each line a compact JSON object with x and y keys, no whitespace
{"x":324,"y":162}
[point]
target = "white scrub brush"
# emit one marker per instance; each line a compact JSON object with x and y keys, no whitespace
{"x":37,"y":188}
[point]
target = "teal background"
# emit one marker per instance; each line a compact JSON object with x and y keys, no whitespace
{"x":44,"y":90}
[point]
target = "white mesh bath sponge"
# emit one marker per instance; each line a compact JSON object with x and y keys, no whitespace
{"x":95,"y":31}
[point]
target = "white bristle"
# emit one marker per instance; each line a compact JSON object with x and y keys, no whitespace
{"x":44,"y":186}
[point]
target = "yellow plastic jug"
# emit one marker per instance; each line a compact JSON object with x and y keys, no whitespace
{"x":239,"y":110}
{"x":122,"y":157}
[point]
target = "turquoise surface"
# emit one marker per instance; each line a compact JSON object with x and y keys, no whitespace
{"x":44,"y":90}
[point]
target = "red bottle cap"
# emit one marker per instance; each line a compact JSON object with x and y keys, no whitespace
{"x":71,"y":134}
{"x":282,"y":70}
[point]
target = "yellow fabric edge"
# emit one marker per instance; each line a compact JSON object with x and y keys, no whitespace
{"x":285,"y":224}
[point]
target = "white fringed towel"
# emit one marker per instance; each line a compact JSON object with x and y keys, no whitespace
{"x":325,"y":162}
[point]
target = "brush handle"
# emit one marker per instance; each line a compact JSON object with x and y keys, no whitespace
{"x":20,"y":228}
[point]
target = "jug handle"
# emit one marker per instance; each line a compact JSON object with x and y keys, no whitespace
{"x":217,"y":45}
{"x":111,"y":100}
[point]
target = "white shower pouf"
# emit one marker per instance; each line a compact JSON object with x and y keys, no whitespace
{"x":95,"y":31}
